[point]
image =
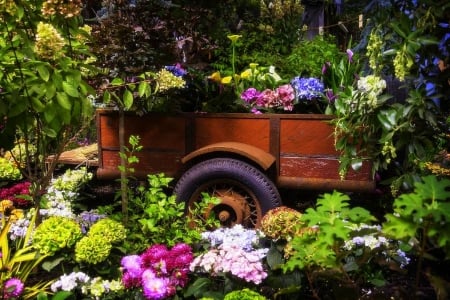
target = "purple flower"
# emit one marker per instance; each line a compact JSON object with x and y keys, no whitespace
{"x":350,"y":55}
{"x":250,"y":95}
{"x":330,"y":95}
{"x":13,"y":288}
{"x":256,"y":111}
{"x":176,"y":70}
{"x":154,"y":287}
{"x":154,"y":255}
{"x":325,"y":67}
{"x":132,"y":265}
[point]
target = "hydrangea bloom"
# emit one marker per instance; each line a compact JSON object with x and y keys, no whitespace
{"x":232,"y":259}
{"x":236,"y":235}
{"x":232,"y":252}
{"x":69,"y":282}
{"x":307,"y":88}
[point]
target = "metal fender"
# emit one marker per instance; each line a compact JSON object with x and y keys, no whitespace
{"x":259,"y":156}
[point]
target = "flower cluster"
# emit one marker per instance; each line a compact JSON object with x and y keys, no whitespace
{"x":16,"y":193}
{"x":8,"y":212}
{"x":166,"y":80}
{"x":158,"y":271}
{"x":56,"y":233}
{"x":96,"y":246}
{"x":88,"y":286}
{"x":68,"y":9}
{"x":282,"y":97}
{"x":281,"y":223}
{"x":247,"y":239}
{"x":243,"y":295}
{"x":232,"y":251}
{"x":49,"y":43}
{"x":307,"y":88}
{"x":372,"y":86}
{"x":369,"y":238}
{"x":9,"y":170}
{"x":12,"y":289}
{"x":62,"y":191}
{"x":87,"y":218}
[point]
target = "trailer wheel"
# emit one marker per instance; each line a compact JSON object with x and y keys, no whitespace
{"x":245,"y":193}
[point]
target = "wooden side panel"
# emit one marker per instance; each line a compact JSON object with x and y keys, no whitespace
{"x":306,"y":137}
{"x":307,"y":152}
{"x":162,"y":137}
{"x":251,"y":131}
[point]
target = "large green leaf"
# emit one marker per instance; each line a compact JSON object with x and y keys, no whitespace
{"x":63,"y":100}
{"x":70,"y":89}
{"x":43,"y":72}
{"x":127,"y":99}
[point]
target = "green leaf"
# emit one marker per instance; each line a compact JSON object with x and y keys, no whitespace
{"x":37,"y":105}
{"x":70,"y":89}
{"x":63,"y":100}
{"x":106,"y":97}
{"x":49,"y":265}
{"x":127,"y":99}
{"x":43,"y":72}
{"x":116,"y":82}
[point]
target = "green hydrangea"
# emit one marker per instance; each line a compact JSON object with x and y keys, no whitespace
{"x":9,"y":170}
{"x":56,"y":233}
{"x":92,"y":249}
{"x":281,"y":223}
{"x":72,"y":180}
{"x":244,"y":294}
{"x":97,"y":244}
{"x":111,"y":231}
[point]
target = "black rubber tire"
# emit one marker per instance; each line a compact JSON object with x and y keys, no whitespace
{"x":254,"y":186}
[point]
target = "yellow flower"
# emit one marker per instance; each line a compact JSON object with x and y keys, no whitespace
{"x":246,"y":74}
{"x":253,"y":65}
{"x":234,"y":37}
{"x":226,"y":80}
{"x":16,"y":214}
{"x":5,"y":205}
{"x":215,"y":76}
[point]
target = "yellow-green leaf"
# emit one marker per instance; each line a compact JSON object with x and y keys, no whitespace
{"x":43,"y":72}
{"x":70,"y":89}
{"x":63,"y":100}
{"x":127,"y":99}
{"x":37,"y":104}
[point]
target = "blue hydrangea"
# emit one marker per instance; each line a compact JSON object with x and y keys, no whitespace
{"x":237,"y":235}
{"x":307,"y":88}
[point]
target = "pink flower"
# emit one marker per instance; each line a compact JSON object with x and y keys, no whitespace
{"x":154,"y":254}
{"x":154,"y":287}
{"x":132,"y":265}
{"x":286,"y":96}
{"x":268,"y":98}
{"x":250,"y":95}
{"x":13,"y":288}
